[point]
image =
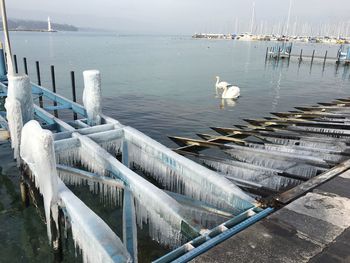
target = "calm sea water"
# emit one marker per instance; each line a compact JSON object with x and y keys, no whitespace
{"x":161,"y":85}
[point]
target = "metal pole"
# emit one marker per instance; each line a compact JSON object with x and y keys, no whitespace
{"x":54,"y":87}
{"x":15,"y":62}
{"x":25,"y":66}
{"x":41,"y":102}
{"x":7,"y":38}
{"x":72,"y":77}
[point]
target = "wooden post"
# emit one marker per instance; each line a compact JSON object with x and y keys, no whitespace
{"x":41,"y":102}
{"x":15,"y":62}
{"x":24,"y":192}
{"x":325,"y":57}
{"x":25,"y":65}
{"x":53,"y":80}
{"x":279,"y":51}
{"x":72,"y":77}
{"x":312,"y":57}
{"x":56,"y":238}
{"x":301,"y":55}
{"x":267,"y":52}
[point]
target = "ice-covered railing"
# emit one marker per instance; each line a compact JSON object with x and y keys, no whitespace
{"x":177,"y":173}
{"x":164,"y":215}
{"x":90,"y":233}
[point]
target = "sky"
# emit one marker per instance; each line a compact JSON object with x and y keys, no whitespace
{"x":179,"y":16}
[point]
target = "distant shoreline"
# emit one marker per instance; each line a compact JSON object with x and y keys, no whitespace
{"x":33,"y":30}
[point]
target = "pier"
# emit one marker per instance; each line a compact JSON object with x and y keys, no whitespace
{"x":208,"y":190}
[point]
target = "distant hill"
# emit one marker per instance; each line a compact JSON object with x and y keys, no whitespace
{"x":21,"y":24}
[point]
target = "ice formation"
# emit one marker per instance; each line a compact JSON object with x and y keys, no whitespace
{"x":37,"y":151}
{"x":91,"y":234}
{"x":15,"y":124}
{"x":174,"y":171}
{"x":129,"y":224}
{"x":19,"y":88}
{"x":92,"y":96}
{"x":19,"y":108}
{"x":110,"y":190}
{"x":269,"y":180}
{"x":162,"y":213}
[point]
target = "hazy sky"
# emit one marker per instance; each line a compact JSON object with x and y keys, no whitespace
{"x":176,"y":16}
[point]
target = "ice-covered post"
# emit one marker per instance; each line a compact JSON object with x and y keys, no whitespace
{"x":19,"y":108}
{"x":37,"y":151}
{"x":92,"y":96}
{"x":3,"y":71}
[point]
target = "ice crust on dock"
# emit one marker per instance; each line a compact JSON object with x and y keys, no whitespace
{"x":98,"y":243}
{"x":153,"y":206}
{"x":177,"y":173}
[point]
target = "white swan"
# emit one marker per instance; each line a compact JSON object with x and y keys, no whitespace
{"x":230,"y":91}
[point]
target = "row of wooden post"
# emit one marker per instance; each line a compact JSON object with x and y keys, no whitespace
{"x":53,"y":82}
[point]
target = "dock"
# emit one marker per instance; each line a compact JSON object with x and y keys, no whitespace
{"x":210,"y":189}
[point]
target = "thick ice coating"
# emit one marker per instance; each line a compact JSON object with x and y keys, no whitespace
{"x":37,"y":151}
{"x":92,"y":96}
{"x":19,"y":88}
{"x":19,"y":108}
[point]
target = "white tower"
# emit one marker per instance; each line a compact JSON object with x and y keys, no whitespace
{"x":49,"y":25}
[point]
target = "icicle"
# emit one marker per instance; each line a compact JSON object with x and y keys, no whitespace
{"x":162,"y":213}
{"x":15,"y":123}
{"x":91,"y":234}
{"x":109,"y":194}
{"x":37,"y":151}
{"x":180,"y":174}
{"x":272,"y":181}
{"x":112,"y":146}
{"x":297,"y":150}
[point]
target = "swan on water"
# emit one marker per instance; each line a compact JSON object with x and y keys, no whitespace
{"x":229,"y":91}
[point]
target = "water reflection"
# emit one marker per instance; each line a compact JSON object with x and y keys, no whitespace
{"x":228,"y":103}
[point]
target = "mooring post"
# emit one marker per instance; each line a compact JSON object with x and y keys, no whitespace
{"x":25,"y":65}
{"x":312,"y":57}
{"x":72,"y":77}
{"x":267,"y":52}
{"x":24,"y":192}
{"x":56,"y":238}
{"x":92,"y":96}
{"x":3,"y":71}
{"x":15,"y":62}
{"x":325,"y":57}
{"x":301,"y":55}
{"x":53,"y":79}
{"x":41,"y":102}
{"x":279,"y":53}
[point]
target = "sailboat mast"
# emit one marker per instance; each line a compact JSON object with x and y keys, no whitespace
{"x":7,"y":39}
{"x":290,"y":7}
{"x":252,"y":20}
